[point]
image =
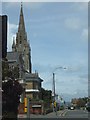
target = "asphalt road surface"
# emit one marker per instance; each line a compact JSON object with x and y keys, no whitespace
{"x":61,"y":114}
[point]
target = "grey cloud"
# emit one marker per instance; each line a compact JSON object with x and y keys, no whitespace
{"x":84,"y":34}
{"x":73,"y":23}
{"x":81,"y":6}
{"x":78,"y":94}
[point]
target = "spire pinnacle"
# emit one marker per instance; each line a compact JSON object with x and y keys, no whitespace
{"x":21,"y":4}
{"x":13,"y":45}
{"x":13,"y":41}
{"x":21,"y":12}
{"x":21,"y":20}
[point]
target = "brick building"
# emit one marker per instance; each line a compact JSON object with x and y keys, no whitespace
{"x":21,"y":56}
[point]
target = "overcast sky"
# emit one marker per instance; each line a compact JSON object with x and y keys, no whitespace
{"x":58,"y":37}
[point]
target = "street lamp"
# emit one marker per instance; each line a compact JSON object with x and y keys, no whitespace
{"x":53,"y":86}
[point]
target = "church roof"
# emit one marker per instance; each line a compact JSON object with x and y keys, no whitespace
{"x":32,"y":77}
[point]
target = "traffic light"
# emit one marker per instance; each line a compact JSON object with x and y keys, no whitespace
{"x":25,"y":105}
{"x":55,"y":104}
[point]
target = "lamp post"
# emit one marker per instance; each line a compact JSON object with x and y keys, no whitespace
{"x":53,"y":89}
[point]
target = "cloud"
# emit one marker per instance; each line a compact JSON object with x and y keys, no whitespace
{"x":26,"y":4}
{"x":33,"y":5}
{"x":65,"y":81}
{"x":82,"y":6}
{"x":84,"y":34}
{"x":84,"y":79}
{"x":77,"y":68}
{"x":12,"y":27}
{"x":11,"y":33}
{"x":73,"y":23}
{"x":0,"y":8}
{"x":77,"y":93}
{"x":81,"y":93}
{"x":74,"y":94}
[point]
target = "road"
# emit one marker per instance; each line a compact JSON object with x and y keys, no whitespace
{"x":76,"y":114}
{"x":61,"y":114}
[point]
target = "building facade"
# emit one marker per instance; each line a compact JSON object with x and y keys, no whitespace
{"x":21,"y":56}
{"x":33,"y":86}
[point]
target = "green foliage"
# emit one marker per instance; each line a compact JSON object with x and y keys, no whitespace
{"x":12,"y":90}
{"x":46,"y":94}
{"x":80,"y":102}
{"x":5,"y":68}
{"x":16,"y":72}
{"x":9,"y":72}
{"x":46,"y":97}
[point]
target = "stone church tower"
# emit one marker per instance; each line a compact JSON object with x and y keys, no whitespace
{"x":21,"y":56}
{"x":22,"y":46}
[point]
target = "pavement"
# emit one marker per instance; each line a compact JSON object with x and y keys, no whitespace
{"x":49,"y":115}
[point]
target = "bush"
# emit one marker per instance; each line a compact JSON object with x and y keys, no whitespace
{"x":12,"y":90}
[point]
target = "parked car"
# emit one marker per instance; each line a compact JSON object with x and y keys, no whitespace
{"x":88,"y":106}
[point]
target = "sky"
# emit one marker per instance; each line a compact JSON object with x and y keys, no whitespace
{"x":58,"y":37}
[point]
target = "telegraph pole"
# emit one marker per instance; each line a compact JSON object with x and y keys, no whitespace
{"x":53,"y":86}
{"x":54,"y":95}
{"x":28,"y":108}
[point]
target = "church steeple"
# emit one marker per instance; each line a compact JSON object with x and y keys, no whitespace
{"x":21,"y":20}
{"x":21,"y":36}
{"x":22,"y":45}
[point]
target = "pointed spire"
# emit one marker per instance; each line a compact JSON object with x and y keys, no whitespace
{"x":21,"y":4}
{"x":13,"y":40}
{"x":21,"y":20}
{"x":21,"y":13}
{"x":13,"y":45}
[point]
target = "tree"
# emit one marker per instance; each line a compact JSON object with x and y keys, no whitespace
{"x":5,"y":68}
{"x":46,"y":96}
{"x":80,"y":102}
{"x":11,"y":91}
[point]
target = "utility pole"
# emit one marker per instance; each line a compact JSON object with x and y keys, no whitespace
{"x":53,"y":90}
{"x":54,"y":85}
{"x":28,"y":108}
{"x":54,"y":95}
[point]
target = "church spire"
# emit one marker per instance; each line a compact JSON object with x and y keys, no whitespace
{"x":14,"y":45}
{"x":21,"y":20}
{"x":22,"y":45}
